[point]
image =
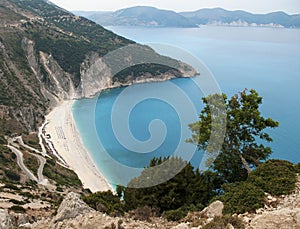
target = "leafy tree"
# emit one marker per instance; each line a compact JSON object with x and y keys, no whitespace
{"x":242,"y":148}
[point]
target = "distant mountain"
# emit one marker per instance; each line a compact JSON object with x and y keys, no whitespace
{"x":139,"y":16}
{"x":153,"y":17}
{"x":239,"y":17}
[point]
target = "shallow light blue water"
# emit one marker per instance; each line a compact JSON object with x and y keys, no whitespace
{"x":264,"y":59}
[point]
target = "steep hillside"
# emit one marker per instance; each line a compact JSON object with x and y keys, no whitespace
{"x":221,"y":16}
{"x":46,"y":55}
{"x":139,"y":16}
{"x":153,"y":17}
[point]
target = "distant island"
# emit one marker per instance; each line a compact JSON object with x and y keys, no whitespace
{"x":152,"y":17}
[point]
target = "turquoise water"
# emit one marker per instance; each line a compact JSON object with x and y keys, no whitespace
{"x":265,"y":59}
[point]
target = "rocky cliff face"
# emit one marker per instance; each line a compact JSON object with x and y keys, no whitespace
{"x":48,"y":55}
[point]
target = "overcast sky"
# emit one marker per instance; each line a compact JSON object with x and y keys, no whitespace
{"x":256,"y":6}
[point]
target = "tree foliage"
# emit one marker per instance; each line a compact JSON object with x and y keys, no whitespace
{"x":105,"y":202}
{"x":241,"y":197}
{"x":245,"y":131}
{"x":189,"y":188}
{"x":276,"y":177}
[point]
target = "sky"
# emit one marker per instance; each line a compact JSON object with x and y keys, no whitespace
{"x":254,"y":6}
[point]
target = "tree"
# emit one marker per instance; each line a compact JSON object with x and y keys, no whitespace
{"x":189,"y":188}
{"x":242,"y":148}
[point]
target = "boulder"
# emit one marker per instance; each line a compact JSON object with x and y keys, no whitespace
{"x":213,"y":210}
{"x":71,"y":207}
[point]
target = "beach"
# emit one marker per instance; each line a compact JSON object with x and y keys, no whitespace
{"x":67,"y":142}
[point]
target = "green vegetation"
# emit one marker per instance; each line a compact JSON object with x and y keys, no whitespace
{"x":62,"y":176}
{"x":17,"y":202}
{"x":11,"y":186}
{"x":11,"y":175}
{"x":2,"y":140}
{"x":175,"y":215}
{"x":18,"y":209}
{"x":31,"y":162}
{"x":242,"y":149}
{"x":276,"y":177}
{"x":105,"y":202}
{"x":188,"y":189}
{"x":222,"y":223}
{"x":141,"y":70}
{"x":32,"y":140}
{"x":242,"y":197}
{"x":9,"y":172}
{"x":228,"y":179}
{"x":68,"y":39}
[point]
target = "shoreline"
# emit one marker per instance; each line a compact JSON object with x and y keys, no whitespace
{"x":68,"y":143}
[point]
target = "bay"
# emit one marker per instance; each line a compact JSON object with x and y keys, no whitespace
{"x":265,"y":59}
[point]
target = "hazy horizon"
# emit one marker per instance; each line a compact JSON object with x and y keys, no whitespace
{"x":255,"y":6}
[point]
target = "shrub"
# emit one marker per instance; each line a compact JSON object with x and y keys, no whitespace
{"x":62,"y":176}
{"x":18,"y":209}
{"x":105,"y":202}
{"x":17,"y":202}
{"x":12,"y":175}
{"x":276,"y":177}
{"x":222,"y":223}
{"x":59,"y":189}
{"x":143,"y":213}
{"x":11,"y":186}
{"x":175,"y":215}
{"x":242,"y":197}
{"x":2,"y":140}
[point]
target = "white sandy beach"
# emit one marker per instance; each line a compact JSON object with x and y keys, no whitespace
{"x":69,"y":146}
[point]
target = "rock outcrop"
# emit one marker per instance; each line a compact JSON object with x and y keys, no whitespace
{"x":280,"y":212}
{"x":74,"y":213}
{"x":71,"y":207}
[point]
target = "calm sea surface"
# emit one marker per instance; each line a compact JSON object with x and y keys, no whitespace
{"x":265,"y":59}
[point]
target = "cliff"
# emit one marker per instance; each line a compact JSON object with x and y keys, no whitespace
{"x":48,"y":55}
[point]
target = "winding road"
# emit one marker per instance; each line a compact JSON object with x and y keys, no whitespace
{"x":42,"y":161}
{"x":20,"y":162}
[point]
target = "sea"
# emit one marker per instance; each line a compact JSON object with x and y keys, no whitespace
{"x":124,"y":128}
